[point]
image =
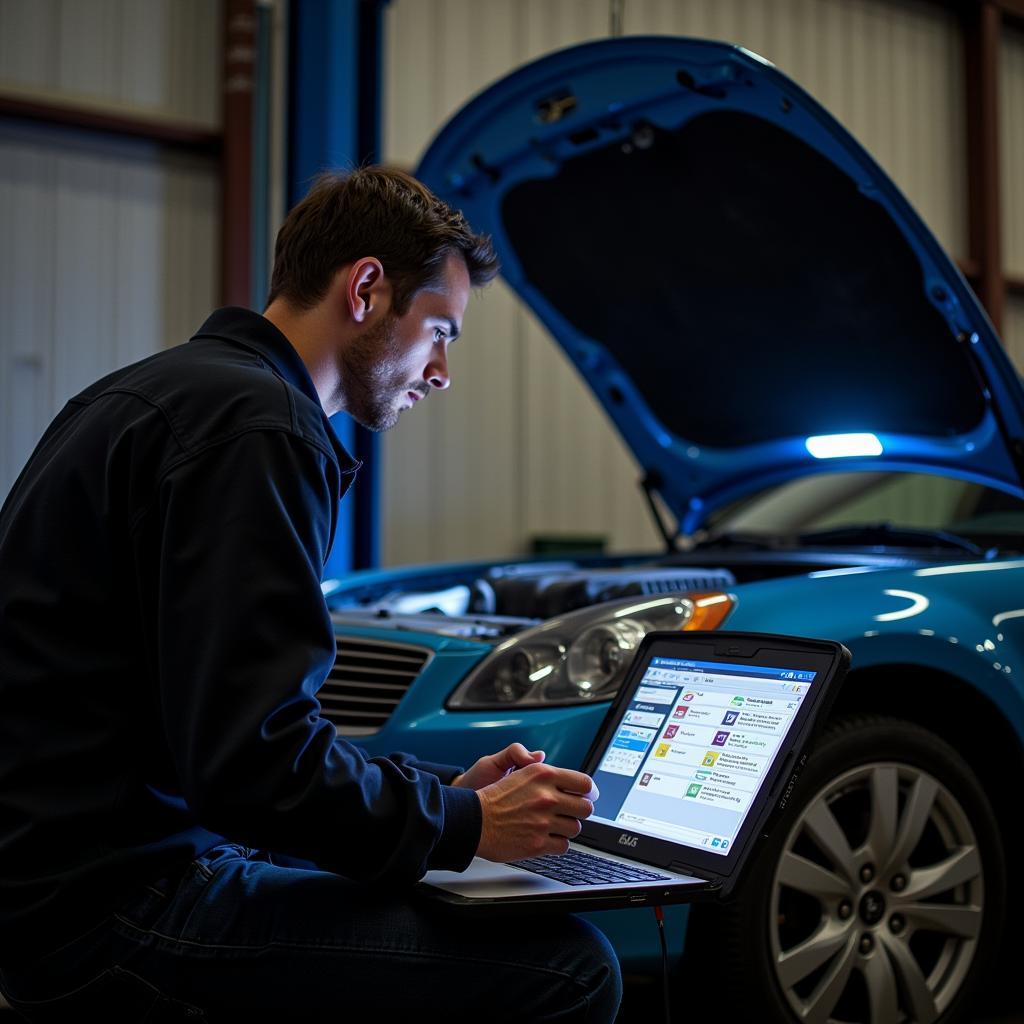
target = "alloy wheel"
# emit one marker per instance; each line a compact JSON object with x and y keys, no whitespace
{"x":877,"y":899}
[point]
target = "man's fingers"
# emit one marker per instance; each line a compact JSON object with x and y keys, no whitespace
{"x":574,"y":806}
{"x":519,"y":757}
{"x":538,"y":808}
{"x":556,"y":844}
{"x":515,"y":755}
{"x":567,"y":826}
{"x":576,"y":782}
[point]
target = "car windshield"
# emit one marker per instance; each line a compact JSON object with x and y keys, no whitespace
{"x":841,"y":505}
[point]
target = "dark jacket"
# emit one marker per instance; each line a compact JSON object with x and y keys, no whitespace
{"x":163,"y":635}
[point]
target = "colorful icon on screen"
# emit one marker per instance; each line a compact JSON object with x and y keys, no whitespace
{"x":730,"y":717}
{"x":671,"y":731}
{"x":680,"y":712}
{"x":662,"y":749}
{"x":693,"y":789}
{"x":645,"y":778}
{"x":689,"y":695}
{"x":710,"y":758}
{"x":725,"y":843}
{"x":716,"y":841}
{"x":720,"y":739}
{"x":737,"y":700}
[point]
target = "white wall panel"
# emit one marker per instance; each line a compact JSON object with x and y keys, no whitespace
{"x":109,"y":254}
{"x":1011,"y":126}
{"x":160,"y":57}
{"x":110,"y":248}
{"x":890,"y":70}
{"x":1013,"y":330}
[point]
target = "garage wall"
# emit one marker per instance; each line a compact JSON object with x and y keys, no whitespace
{"x":158,"y":57}
{"x":1013,"y":330}
{"x":109,"y":247}
{"x":518,"y":447}
{"x":1011,"y":127}
{"x":1011,"y":116}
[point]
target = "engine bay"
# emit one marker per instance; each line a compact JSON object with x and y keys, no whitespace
{"x":505,"y":599}
{"x":488,"y":602}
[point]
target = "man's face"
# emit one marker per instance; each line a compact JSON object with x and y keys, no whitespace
{"x":395,"y":363}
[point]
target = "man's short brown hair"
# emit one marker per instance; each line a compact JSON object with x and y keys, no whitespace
{"x":373,"y":211}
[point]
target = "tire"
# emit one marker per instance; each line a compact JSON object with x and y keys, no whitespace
{"x":879,"y":899}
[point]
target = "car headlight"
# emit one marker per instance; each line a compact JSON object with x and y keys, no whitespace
{"x":582,"y":656}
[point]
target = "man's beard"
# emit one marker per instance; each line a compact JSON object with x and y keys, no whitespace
{"x":373,"y":377}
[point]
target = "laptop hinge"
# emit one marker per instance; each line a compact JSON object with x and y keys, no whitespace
{"x":685,"y":869}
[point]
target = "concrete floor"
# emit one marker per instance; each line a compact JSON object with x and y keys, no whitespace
{"x":642,"y":1004}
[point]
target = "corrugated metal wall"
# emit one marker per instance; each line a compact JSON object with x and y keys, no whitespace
{"x":518,"y":447}
{"x":109,"y":248}
{"x":159,"y":57}
{"x":1011,"y":118}
{"x":1013,"y":330}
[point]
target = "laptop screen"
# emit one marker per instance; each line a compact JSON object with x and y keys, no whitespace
{"x":691,"y":748}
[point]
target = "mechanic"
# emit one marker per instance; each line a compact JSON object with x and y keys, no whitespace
{"x":182,"y":836}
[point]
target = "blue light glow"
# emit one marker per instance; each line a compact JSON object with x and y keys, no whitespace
{"x":841,"y":446}
{"x":950,"y":570}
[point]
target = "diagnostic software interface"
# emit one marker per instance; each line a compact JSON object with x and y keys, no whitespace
{"x":693,"y":746}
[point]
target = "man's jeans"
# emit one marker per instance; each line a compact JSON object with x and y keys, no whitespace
{"x":238,"y":934}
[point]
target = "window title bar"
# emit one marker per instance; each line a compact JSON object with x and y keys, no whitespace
{"x":683,"y":665}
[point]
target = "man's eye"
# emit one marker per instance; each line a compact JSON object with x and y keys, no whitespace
{"x":439,"y":334}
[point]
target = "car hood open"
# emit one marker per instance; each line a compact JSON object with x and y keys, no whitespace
{"x":730,"y":272}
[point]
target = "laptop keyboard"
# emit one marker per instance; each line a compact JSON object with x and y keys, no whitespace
{"x":577,"y":868}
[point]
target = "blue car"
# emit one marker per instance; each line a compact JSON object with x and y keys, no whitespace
{"x":832,"y":441}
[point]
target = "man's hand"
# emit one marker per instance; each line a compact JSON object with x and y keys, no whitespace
{"x":493,"y":767}
{"x":534,"y":810}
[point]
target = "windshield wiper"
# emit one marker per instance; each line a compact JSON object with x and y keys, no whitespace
{"x":887,"y":535}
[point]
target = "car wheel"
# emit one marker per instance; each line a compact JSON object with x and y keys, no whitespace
{"x":880,"y":898}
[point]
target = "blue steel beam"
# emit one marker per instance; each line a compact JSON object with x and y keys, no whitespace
{"x":334,"y":122}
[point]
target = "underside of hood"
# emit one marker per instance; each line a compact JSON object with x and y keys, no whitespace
{"x":730,"y":271}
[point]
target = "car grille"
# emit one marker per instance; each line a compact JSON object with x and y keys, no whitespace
{"x":367,"y":681}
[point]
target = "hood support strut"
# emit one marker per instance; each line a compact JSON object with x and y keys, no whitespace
{"x":650,"y":484}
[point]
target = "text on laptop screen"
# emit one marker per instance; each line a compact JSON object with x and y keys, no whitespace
{"x":692,"y":747}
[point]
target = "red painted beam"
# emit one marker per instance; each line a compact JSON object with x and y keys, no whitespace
{"x":236,"y":163}
{"x":1012,"y":9}
{"x":177,"y":135}
{"x":982,"y":30}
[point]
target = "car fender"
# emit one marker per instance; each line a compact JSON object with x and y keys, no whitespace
{"x":965,"y":625}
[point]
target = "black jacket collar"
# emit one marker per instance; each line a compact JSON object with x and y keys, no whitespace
{"x":255,"y":332}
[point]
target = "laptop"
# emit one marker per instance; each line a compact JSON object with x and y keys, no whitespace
{"x":694,"y":762}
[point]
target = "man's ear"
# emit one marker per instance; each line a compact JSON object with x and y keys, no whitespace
{"x":367,"y":291}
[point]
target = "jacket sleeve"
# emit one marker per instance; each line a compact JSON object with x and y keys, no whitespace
{"x":244,"y":642}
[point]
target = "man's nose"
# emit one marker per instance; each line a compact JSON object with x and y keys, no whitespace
{"x":436,"y":374}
